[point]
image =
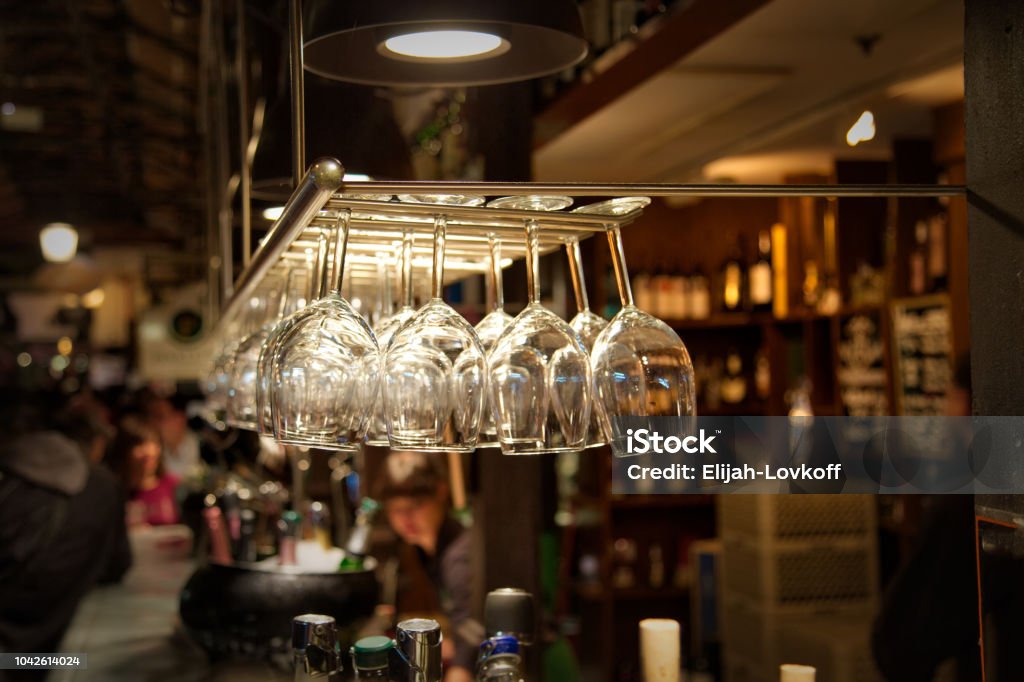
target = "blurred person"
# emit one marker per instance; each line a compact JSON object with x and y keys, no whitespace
{"x":181,"y":445}
{"x":413,"y":491}
{"x":61,"y":528}
{"x":136,"y":455}
{"x":929,"y":613}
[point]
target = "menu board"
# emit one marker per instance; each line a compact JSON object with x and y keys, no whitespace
{"x":862,"y":383}
{"x":923,"y":366}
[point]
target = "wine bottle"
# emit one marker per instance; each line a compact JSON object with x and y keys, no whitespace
{"x":731,"y":279}
{"x":918,"y":260}
{"x":358,"y":543}
{"x":938,"y":270}
{"x":761,"y":274}
{"x":734,"y":384}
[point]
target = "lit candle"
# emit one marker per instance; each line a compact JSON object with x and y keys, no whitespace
{"x":659,"y":649}
{"x":796,"y":673}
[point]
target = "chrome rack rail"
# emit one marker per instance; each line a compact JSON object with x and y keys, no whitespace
{"x":376,"y":226}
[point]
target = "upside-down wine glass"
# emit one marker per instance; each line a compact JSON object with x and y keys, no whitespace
{"x":587,"y":324}
{"x":641,"y":367}
{"x":316,"y":276}
{"x":434,"y":368}
{"x":490,"y":330}
{"x":378,"y":431}
{"x":322,"y":368}
{"x":540,"y":377}
{"x":242,"y":407}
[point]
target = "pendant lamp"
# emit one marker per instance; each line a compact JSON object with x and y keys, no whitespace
{"x":441,"y":43}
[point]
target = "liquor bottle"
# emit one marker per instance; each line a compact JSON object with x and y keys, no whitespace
{"x":680,"y":285}
{"x":918,"y":260}
{"x":289,"y":528}
{"x":656,"y":574}
{"x":316,"y":652}
{"x":938,"y":270}
{"x":734,"y":384}
{"x":247,"y":550}
{"x":642,"y":298}
{"x":357,"y":545}
{"x":371,"y":658}
{"x":761,"y":274}
{"x":499,"y":660}
{"x":780,"y":272}
{"x":731,"y":283}
{"x":220,"y":543}
{"x":762,"y":375}
{"x":812,"y":284}
{"x":700,"y":297}
{"x":662,"y":285}
{"x":320,"y":521}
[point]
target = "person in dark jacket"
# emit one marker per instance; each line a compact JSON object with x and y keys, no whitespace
{"x":62,"y":530}
{"x":413,"y":490}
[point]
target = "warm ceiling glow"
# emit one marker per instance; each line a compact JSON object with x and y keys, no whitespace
{"x":861,"y":131}
{"x":273,"y":213}
{"x":59,"y":242}
{"x":444,"y":45}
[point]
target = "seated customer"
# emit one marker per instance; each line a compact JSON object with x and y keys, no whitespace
{"x":414,"y":493}
{"x":61,"y":526}
{"x":136,"y":456}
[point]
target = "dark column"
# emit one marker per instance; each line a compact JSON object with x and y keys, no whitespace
{"x":994,"y":82}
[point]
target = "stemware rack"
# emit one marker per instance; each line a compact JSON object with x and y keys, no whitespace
{"x":375,"y":226}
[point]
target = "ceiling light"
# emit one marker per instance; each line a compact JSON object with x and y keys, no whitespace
{"x":444,"y":46}
{"x":8,"y":109}
{"x":59,"y":242}
{"x":93,"y":299}
{"x":861,"y":131}
{"x":273,"y":213}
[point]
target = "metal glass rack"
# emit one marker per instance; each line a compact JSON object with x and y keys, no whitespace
{"x":376,"y":226}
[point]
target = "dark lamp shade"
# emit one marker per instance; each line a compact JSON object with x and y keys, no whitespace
{"x":343,"y":40}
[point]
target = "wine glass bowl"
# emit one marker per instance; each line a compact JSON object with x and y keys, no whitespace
{"x":540,"y":376}
{"x":641,"y":367}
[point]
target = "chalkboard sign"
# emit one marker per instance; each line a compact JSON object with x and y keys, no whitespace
{"x":923,"y":366}
{"x":862,"y":381}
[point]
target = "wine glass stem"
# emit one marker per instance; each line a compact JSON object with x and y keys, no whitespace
{"x":440,"y":225}
{"x":340,"y":246}
{"x":533,"y":260}
{"x":383,"y":285}
{"x":619,"y":264}
{"x":579,"y":286}
{"x":322,"y":249}
{"x":496,"y":292}
{"x":407,"y":268}
{"x":290,"y":279}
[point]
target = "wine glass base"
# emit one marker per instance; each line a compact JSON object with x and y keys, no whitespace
{"x":244,"y":424}
{"x":301,"y":442}
{"x":534,"y":449}
{"x":431,"y":447}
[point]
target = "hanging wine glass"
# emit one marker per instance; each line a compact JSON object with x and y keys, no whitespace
{"x":322,"y":367}
{"x":316,"y":278}
{"x":434,"y":368}
{"x":242,"y":401}
{"x":641,"y":367}
{"x":378,"y":431}
{"x":585,"y":323}
{"x":540,"y":376}
{"x":490,"y":329}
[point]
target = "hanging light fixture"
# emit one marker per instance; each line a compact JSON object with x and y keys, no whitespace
{"x":444,"y":43}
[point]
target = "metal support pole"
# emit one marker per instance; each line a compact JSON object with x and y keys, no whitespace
{"x":242,"y":76}
{"x":296,"y":64}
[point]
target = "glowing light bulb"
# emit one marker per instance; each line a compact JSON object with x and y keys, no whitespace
{"x":59,"y":242}
{"x":444,"y":45}
{"x":862,"y":130}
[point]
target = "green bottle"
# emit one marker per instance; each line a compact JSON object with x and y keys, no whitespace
{"x":359,"y":539}
{"x":370,"y":657}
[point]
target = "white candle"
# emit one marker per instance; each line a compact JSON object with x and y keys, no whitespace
{"x":789,"y":672}
{"x":659,"y":649}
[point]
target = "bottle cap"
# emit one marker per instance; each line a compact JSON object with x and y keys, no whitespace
{"x":502,"y":644}
{"x":369,"y":505}
{"x":371,"y":653}
{"x":313,"y":629}
{"x":509,"y":610}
